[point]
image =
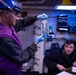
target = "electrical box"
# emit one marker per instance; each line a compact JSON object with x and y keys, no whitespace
{"x":62,"y":24}
{"x":72,"y":29}
{"x":72,"y":24}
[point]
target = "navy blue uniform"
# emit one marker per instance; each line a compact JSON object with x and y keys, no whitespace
{"x":56,"y":56}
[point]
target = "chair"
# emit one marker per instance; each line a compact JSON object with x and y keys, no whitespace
{"x":54,"y":46}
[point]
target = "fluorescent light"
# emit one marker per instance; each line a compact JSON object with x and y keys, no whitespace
{"x":65,"y":7}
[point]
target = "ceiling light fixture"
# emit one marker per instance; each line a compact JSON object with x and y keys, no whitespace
{"x":65,"y":7}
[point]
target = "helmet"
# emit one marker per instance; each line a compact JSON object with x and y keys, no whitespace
{"x":10,"y":4}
